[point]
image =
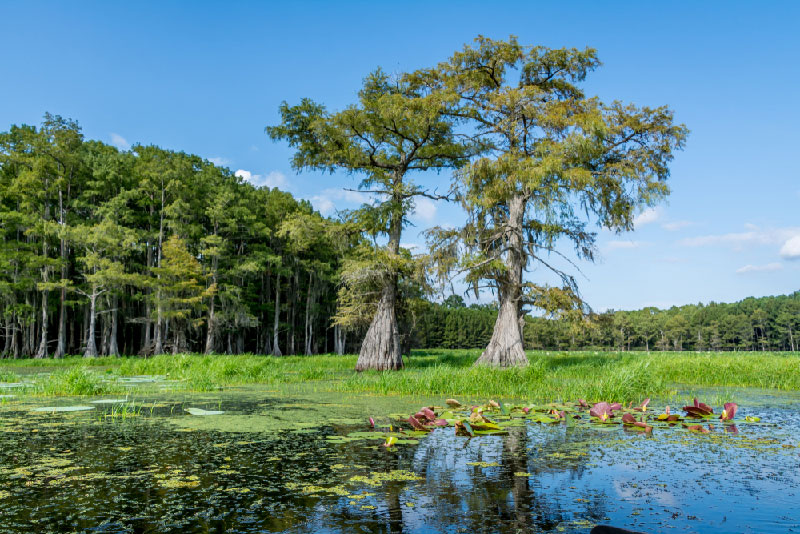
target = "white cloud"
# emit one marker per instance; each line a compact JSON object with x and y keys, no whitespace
{"x":739,"y":240}
{"x":425,"y":209}
{"x":409,"y":246}
{"x":120,"y":142}
{"x":676,"y":225}
{"x":791,"y":248}
{"x":650,"y":215}
{"x":273,"y":179}
{"x":329,"y":200}
{"x":323,"y":204}
{"x":759,"y":268}
{"x":615,"y":245}
{"x":219,"y":161}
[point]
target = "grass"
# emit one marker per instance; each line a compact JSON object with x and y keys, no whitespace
{"x":619,"y":376}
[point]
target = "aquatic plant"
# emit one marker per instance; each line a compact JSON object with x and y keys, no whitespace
{"x":475,"y":421}
{"x":603,"y":411}
{"x":729,"y":411}
{"x":630,"y":420}
{"x":699,"y":409}
{"x":74,"y":381}
{"x":668,"y":417}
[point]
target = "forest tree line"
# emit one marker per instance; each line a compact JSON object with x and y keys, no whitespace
{"x":766,"y":323}
{"x":145,"y":251}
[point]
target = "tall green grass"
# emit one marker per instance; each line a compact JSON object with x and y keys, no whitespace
{"x":619,"y":376}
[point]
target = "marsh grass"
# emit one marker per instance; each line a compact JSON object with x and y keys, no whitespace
{"x":551,"y":376}
{"x":74,"y":381}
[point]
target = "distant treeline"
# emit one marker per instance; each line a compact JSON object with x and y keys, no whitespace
{"x":767,"y":323}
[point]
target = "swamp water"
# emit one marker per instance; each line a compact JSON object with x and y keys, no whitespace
{"x":299,"y":461}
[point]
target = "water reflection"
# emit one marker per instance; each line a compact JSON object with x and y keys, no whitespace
{"x":87,"y":472}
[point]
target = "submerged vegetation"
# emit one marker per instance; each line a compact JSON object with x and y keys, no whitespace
{"x":550,"y":376}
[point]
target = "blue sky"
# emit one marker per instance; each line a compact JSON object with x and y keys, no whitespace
{"x":207,"y":77}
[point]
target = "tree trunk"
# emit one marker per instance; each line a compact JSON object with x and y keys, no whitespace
{"x":293,"y":310}
{"x":267,"y":337}
{"x":61,"y":344}
{"x":506,"y":348}
{"x":91,"y":348}
{"x":381,"y":348}
{"x":339,"y":339}
{"x":113,"y":347}
{"x":309,"y":330}
{"x":41,"y":352}
{"x":147,"y":309}
{"x":159,"y":334}
{"x":276,"y":350}
{"x":212,"y":328}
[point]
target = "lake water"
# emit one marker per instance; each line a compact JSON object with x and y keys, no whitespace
{"x":290,"y":462}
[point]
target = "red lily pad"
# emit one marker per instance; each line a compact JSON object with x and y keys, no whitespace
{"x":699,"y":409}
{"x":729,"y":411}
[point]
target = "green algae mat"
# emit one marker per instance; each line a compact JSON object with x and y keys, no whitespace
{"x":294,"y":460}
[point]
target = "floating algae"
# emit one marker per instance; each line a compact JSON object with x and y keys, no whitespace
{"x":52,"y":409}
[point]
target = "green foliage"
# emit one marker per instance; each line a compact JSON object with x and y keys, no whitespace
{"x":551,"y":376}
{"x":144,"y":242}
{"x":554,"y":161}
{"x":73,"y":381}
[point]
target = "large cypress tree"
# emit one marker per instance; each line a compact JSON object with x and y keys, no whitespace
{"x":556,"y":161}
{"x":396,"y":128}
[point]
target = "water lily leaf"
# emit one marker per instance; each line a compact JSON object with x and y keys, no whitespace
{"x":391,"y":440}
{"x":603,"y":410}
{"x":200,"y":411}
{"x":752,"y":419}
{"x":453,"y":403}
{"x":503,"y":408}
{"x":499,"y":432}
{"x":427,"y":413}
{"x":697,"y":428}
{"x":63,"y":409}
{"x":465,"y":427}
{"x":414,"y":422}
{"x":628,"y":419}
{"x":729,"y":411}
{"x":699,"y":409}
{"x":541,"y":418}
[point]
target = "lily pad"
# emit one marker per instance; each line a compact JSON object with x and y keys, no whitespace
{"x":200,"y":411}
